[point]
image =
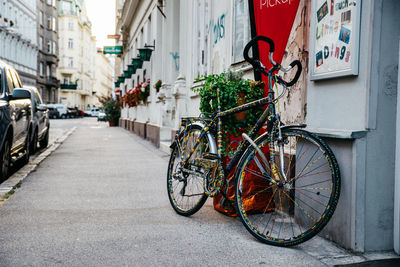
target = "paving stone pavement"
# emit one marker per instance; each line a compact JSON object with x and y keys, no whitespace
{"x":100,"y":200}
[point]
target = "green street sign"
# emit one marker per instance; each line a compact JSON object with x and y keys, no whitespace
{"x":117,"y":50}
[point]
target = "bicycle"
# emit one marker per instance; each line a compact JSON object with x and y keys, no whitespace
{"x":292,"y":173}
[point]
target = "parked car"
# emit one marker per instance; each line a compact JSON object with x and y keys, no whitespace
{"x":101,"y":116}
{"x":53,"y":112}
{"x":40,"y":121}
{"x":61,"y":108}
{"x":15,"y":119}
{"x":93,"y":112}
{"x":86,"y":113}
{"x":72,"y":112}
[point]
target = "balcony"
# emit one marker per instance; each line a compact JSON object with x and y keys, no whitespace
{"x":71,"y":86}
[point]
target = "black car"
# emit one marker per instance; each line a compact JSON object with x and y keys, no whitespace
{"x":15,"y":119}
{"x":53,"y":112}
{"x":40,"y":121}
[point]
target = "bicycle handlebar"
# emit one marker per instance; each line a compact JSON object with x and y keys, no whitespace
{"x":259,"y":66}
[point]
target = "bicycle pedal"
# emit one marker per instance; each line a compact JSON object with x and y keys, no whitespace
{"x":210,"y":156}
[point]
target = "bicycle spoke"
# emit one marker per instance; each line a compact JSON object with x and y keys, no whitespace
{"x":295,"y":210}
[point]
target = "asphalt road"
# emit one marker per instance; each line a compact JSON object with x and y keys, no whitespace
{"x":100,"y":200}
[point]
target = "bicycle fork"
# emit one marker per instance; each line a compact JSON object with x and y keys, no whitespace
{"x":277,"y":179}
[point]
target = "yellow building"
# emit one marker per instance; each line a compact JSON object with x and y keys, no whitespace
{"x":77,"y":53}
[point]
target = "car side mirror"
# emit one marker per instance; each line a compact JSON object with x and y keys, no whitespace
{"x":42,"y":107}
{"x":20,"y":93}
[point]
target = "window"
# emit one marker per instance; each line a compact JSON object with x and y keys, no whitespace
{"x":54,"y":48}
{"x":49,"y":2}
{"x":41,"y":69}
{"x":48,"y":71}
{"x":54,"y":3}
{"x":70,"y":43}
{"x":67,"y":80}
{"x":41,"y":43}
{"x":201,"y":39}
{"x":49,"y":47}
{"x":15,"y":78}
{"x":41,"y":18}
{"x":66,"y":7}
{"x":70,"y":25}
{"x":10,"y":84}
{"x":241,"y":28}
{"x":49,"y":22}
{"x":54,"y":24}
{"x":70,"y":62}
{"x":38,"y":99}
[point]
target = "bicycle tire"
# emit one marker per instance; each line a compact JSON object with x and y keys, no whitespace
{"x":303,"y":207}
{"x":183,"y":203}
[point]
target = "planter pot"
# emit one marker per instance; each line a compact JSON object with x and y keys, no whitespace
{"x":240,"y":100}
{"x":112,"y":123}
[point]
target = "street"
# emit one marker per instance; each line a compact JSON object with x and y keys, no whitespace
{"x":100,"y":200}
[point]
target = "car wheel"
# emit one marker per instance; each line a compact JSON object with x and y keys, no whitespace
{"x":45,"y":141}
{"x":33,"y":143}
{"x":5,"y":160}
{"x":63,"y":116}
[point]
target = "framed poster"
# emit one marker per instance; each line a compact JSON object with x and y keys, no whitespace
{"x":334,"y":38}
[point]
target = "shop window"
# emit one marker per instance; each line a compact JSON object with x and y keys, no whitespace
{"x":201,"y":39}
{"x":241,"y":29}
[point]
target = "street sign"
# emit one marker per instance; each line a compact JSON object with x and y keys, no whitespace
{"x":113,"y":36}
{"x":112,"y":49}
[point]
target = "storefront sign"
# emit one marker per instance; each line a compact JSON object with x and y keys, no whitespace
{"x":112,"y":49}
{"x":274,"y":19}
{"x":334,"y":38}
{"x":113,"y":36}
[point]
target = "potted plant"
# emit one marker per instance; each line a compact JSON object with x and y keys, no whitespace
{"x":234,"y":91}
{"x":112,"y":110}
{"x":157,"y":85}
{"x":144,"y":91}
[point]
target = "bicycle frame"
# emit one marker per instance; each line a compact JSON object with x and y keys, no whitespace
{"x":218,"y":119}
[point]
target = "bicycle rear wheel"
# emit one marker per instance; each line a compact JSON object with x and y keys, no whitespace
{"x":296,"y":210}
{"x":185,"y":190}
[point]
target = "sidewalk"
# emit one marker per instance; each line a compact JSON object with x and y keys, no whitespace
{"x":100,"y":200}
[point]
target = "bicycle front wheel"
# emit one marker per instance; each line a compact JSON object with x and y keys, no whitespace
{"x":292,"y":210}
{"x":185,"y":190}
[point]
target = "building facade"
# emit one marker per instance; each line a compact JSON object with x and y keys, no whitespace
{"x":18,"y":37}
{"x":77,"y":52}
{"x":191,"y":39}
{"x":47,"y":82}
{"x":355,"y":113}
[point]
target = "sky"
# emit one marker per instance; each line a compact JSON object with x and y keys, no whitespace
{"x":102,"y":15}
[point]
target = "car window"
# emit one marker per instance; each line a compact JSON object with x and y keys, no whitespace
{"x":38,"y":99}
{"x":15,"y":77}
{"x":10,"y":85}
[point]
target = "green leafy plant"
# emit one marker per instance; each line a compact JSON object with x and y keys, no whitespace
{"x":158,"y":85}
{"x":232,"y":89}
{"x":111,"y":108}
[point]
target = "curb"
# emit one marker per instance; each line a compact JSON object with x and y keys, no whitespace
{"x":12,"y":182}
